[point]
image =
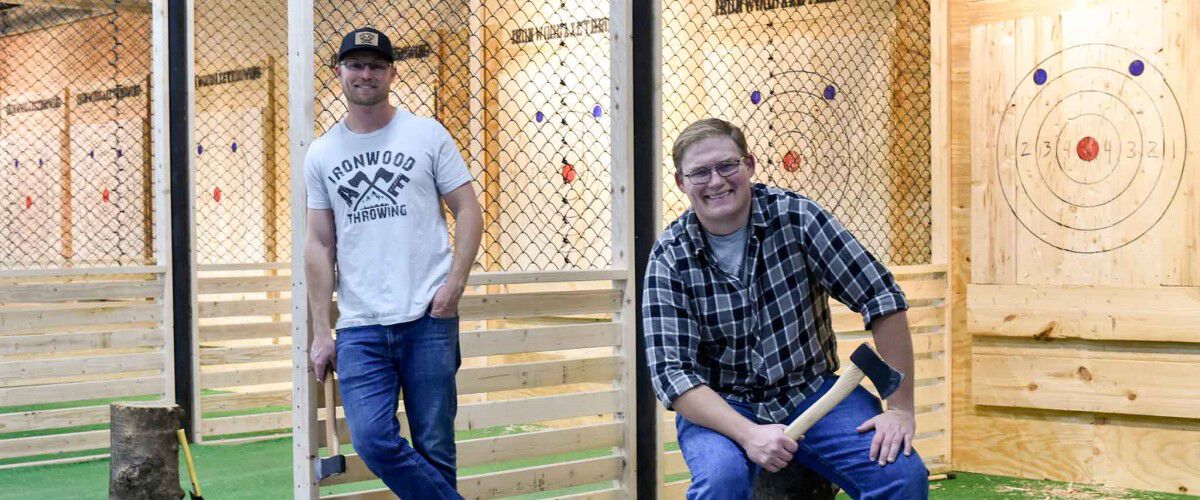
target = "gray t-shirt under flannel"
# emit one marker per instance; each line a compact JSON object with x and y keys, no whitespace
{"x":730,"y":250}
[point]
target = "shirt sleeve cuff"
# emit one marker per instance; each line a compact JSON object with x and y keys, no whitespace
{"x":883,"y":305}
{"x":676,"y":385}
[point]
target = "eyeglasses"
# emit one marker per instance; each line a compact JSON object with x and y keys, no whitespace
{"x":703,"y":175}
{"x":361,"y":66}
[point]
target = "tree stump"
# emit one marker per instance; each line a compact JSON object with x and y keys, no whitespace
{"x":795,"y":482}
{"x":145,"y":451}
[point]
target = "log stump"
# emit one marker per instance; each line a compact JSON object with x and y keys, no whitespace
{"x":145,"y":451}
{"x":795,"y":482}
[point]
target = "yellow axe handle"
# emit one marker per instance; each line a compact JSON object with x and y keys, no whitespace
{"x":187,"y":453}
{"x":845,"y":384}
{"x":331,"y":438}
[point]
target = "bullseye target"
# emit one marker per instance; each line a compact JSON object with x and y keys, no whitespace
{"x":1091,"y":148}
{"x":804,"y":126}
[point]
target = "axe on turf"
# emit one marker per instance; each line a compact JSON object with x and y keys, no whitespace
{"x":864,"y":362}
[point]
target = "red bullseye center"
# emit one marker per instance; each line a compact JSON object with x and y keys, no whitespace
{"x":791,"y":161}
{"x":1087,"y":149}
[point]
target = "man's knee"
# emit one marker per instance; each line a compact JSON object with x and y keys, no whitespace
{"x":373,"y":447}
{"x":721,"y":479}
{"x":908,"y":475}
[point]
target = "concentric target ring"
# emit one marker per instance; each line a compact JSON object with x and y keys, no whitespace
{"x":810,"y":125}
{"x":1091,"y":148}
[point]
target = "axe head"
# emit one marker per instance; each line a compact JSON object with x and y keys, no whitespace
{"x":885,"y":378}
{"x":332,"y":466}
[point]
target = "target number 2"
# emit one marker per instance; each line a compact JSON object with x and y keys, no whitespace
{"x":1131,"y":149}
{"x":1046,"y":149}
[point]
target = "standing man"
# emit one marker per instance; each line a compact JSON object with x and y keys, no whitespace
{"x":375,"y":182}
{"x":739,"y":339}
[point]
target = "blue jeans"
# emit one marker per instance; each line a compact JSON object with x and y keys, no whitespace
{"x":831,"y":448}
{"x":374,"y":364}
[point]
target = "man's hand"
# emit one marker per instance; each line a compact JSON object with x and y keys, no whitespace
{"x":894,"y":429}
{"x":445,"y":301}
{"x":323,"y":354}
{"x":768,"y":446}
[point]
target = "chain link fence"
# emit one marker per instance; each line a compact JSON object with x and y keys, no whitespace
{"x":241,"y":159}
{"x":523,"y":87}
{"x":76,"y":187}
{"x":833,"y":96}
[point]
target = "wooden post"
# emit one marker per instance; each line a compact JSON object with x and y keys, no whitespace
{"x":148,"y":178}
{"x":491,"y":148}
{"x":621,"y":123}
{"x":301,"y":108}
{"x":270,"y":189}
{"x":64,"y":155}
{"x":145,"y":451}
{"x":908,"y":106}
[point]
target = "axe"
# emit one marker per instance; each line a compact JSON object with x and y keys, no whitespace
{"x":336,"y":463}
{"x":864,"y":362}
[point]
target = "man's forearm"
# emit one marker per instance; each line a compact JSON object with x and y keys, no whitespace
{"x":318,"y":275}
{"x":468,"y":229}
{"x":894,"y":342}
{"x":703,"y":406}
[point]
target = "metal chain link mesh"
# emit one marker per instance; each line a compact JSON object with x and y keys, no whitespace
{"x":523,"y":87}
{"x":833,"y":96}
{"x":242,"y":175}
{"x":76,"y":186}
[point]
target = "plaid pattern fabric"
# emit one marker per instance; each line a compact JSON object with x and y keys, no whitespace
{"x":765,"y":339}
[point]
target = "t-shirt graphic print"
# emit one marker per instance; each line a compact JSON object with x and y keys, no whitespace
{"x":384,"y":188}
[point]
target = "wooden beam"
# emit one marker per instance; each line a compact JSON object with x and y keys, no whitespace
{"x":1086,"y":378}
{"x":1046,"y":312}
{"x":139,"y":6}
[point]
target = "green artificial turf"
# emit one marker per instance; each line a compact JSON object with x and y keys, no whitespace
{"x":263,"y":470}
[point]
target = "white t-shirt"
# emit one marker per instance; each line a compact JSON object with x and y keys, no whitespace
{"x":393,"y":249}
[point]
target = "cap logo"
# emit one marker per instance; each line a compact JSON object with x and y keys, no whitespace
{"x":366,"y":38}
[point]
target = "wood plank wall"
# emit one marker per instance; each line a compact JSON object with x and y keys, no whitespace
{"x":1074,"y":358}
{"x":69,"y":343}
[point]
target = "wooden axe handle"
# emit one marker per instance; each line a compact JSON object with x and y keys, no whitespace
{"x":845,"y":384}
{"x":331,"y":439}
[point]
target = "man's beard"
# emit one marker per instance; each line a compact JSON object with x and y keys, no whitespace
{"x":369,"y":101}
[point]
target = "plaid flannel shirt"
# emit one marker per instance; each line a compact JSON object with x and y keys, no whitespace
{"x":764,"y":338}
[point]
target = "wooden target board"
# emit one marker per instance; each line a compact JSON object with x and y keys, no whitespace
{"x":230,"y":186}
{"x":553,"y":109}
{"x":1082,"y":151}
{"x":32,"y":168}
{"x":107,"y":191}
{"x":110,"y":180}
{"x":825,"y":94}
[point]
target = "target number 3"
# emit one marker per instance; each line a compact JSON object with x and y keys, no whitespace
{"x":1046,"y":149}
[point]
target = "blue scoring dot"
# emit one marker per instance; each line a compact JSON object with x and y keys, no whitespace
{"x":41,"y":163}
{"x":597,"y":111}
{"x":119,"y":153}
{"x":539,"y":116}
{"x":1039,"y":76}
{"x":756,"y":97}
{"x":830,"y":92}
{"x":199,"y":150}
{"x":233,"y":147}
{"x":1137,"y":67}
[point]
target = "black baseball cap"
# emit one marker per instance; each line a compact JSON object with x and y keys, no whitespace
{"x":367,"y":39}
